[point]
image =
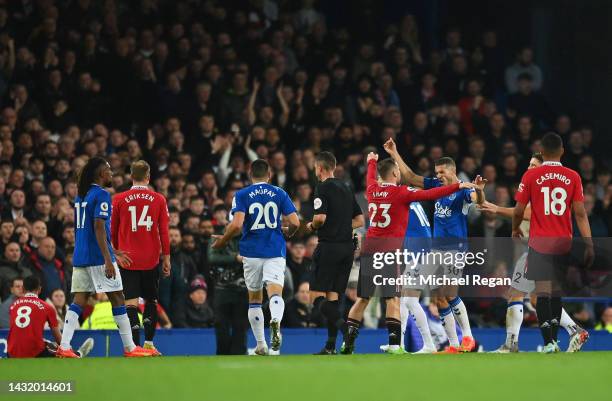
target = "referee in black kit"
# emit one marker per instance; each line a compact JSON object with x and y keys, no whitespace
{"x":336,"y":214}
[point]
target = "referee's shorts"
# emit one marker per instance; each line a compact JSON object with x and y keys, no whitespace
{"x":140,"y":283}
{"x":331,"y":266}
{"x":546,"y":267}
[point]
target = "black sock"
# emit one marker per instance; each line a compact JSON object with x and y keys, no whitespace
{"x":331,"y":312}
{"x":394,"y":327}
{"x":149,"y":319}
{"x":555,"y":311}
{"x":543,"y":311}
{"x":132,"y":312}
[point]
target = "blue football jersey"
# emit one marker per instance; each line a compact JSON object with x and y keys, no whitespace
{"x":450,"y":214}
{"x":95,"y":205}
{"x":263,"y":205}
{"x":418,"y":233}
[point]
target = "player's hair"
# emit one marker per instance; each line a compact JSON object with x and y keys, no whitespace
{"x":140,"y":170}
{"x":31,"y":283}
{"x":259,"y":168}
{"x":88,"y":174}
{"x":445,"y":161}
{"x":551,"y":143}
{"x":326,"y":160}
{"x":538,"y":156}
{"x":385,"y":167}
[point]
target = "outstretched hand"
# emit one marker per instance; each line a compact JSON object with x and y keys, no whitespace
{"x":480,"y":182}
{"x":372,"y":156}
{"x":390,"y":146}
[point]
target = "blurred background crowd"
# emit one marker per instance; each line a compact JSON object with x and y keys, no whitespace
{"x":199,"y":88}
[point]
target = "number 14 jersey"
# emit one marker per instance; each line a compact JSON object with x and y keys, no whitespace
{"x":263,"y":206}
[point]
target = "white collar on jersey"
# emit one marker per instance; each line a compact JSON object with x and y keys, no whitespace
{"x":388,"y":184}
{"x":139,"y":187}
{"x":550,"y":163}
{"x":259,"y":183}
{"x":30,"y":294}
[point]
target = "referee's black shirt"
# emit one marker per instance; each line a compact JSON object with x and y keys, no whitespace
{"x":336,"y":200}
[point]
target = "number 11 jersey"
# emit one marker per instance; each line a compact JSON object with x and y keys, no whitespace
{"x":263,"y":205}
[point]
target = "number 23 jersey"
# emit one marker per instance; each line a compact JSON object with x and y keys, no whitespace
{"x":263,"y":206}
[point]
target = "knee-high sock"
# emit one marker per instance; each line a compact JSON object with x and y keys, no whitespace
{"x":149,"y":320}
{"x":70,"y":325}
{"x":461,"y":316}
{"x":404,"y":315}
{"x":256,"y":318}
{"x":132,"y":312}
{"x":556,"y":307}
{"x":544,"y":317}
{"x":394,"y":328}
{"x":448,"y":321}
{"x":421,"y":321}
{"x":568,"y":323}
{"x":329,"y":309}
{"x":277,"y":307}
{"x":514,"y":319}
{"x":125,"y":329}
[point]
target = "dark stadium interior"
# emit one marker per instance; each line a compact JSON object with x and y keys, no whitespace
{"x":201,"y":88}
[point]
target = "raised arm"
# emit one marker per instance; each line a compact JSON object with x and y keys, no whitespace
{"x":408,"y":176}
{"x":371,"y":178}
{"x":478,"y":195}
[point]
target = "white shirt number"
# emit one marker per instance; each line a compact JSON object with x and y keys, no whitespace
{"x":384,"y":213}
{"x":554,"y":201}
{"x":144,"y":220}
{"x":269,"y":213}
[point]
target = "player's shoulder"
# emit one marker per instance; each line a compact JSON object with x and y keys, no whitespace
{"x":97,"y":192}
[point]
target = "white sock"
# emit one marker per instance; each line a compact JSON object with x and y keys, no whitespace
{"x":404,"y":314}
{"x":277,"y":307}
{"x":448,"y":321}
{"x":461,"y":315}
{"x":514,"y":319}
{"x":70,"y":325}
{"x":125,"y":328}
{"x":421,"y":321}
{"x":149,"y":343}
{"x":256,"y":318}
{"x":568,"y":323}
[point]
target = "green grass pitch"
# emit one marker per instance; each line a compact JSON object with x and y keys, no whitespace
{"x":473,"y":377}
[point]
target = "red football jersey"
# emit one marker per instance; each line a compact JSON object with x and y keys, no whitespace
{"x":551,"y":189}
{"x":28,"y":316}
{"x":389,"y":204}
{"x":139,"y":226}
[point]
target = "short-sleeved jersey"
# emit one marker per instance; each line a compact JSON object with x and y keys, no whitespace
{"x":551,"y":189}
{"x":263,"y":205}
{"x":418,"y":234}
{"x":28,"y":316}
{"x":140,"y":226}
{"x":337,"y":202}
{"x":389,"y":204}
{"x":450,"y":212}
{"x":95,"y":205}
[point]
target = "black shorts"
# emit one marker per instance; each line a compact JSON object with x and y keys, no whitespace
{"x":331,"y":266}
{"x":366,"y":287}
{"x":140,"y":283}
{"x":546,"y":267}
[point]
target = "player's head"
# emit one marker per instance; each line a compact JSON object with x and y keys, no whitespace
{"x":325,"y":164}
{"x":260,"y":171}
{"x":389,"y":171}
{"x":535,"y":161}
{"x":95,"y":171}
{"x":140,"y":172}
{"x":552,"y":146}
{"x":446,"y":170}
{"x":32,"y":284}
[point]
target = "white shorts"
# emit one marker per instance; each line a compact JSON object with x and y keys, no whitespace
{"x":417,"y":276}
{"x":93,"y":279}
{"x":519,"y":281}
{"x":258,"y":271}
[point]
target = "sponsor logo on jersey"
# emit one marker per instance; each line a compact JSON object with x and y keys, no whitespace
{"x":442,"y":211}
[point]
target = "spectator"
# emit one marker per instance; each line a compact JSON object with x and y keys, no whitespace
{"x":524,"y":65}
{"x":12,"y":266}
{"x":16,"y":291}
{"x":49,"y":268}
{"x":299,"y":312}
{"x":298,"y":264}
{"x":198,"y":313}
{"x":57,"y":299}
{"x":605,"y":323}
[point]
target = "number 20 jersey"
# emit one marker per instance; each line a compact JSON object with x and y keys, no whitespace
{"x":551,"y":189}
{"x":263,"y":205}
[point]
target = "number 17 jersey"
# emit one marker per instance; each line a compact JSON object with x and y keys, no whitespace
{"x":263,"y":206}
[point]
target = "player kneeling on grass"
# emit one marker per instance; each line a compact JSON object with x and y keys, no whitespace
{"x":95,"y":262}
{"x":257,"y":211}
{"x":389,"y":207}
{"x":28,"y":316}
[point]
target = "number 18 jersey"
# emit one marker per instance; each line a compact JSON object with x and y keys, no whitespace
{"x":263,"y":206}
{"x":551,"y":189}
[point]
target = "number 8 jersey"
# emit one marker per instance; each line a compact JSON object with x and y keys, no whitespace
{"x":551,"y":189}
{"x":263,"y":205}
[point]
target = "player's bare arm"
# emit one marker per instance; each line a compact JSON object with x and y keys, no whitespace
{"x":358,"y":221}
{"x":231,"y":231}
{"x":100,"y":231}
{"x":294,"y":225}
{"x":503,"y":211}
{"x":517,"y":218}
{"x":582,"y":221}
{"x":478,"y":195}
{"x":317,"y":221}
{"x":408,"y":176}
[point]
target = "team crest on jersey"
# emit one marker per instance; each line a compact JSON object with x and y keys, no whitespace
{"x":452,"y":196}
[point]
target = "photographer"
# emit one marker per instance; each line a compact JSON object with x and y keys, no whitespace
{"x":231,"y":302}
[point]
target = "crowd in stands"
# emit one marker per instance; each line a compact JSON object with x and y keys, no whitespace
{"x":200,"y":88}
